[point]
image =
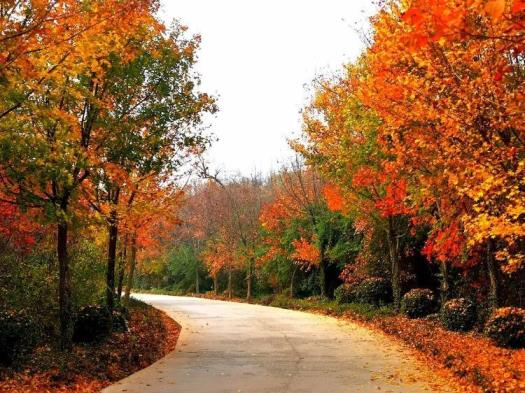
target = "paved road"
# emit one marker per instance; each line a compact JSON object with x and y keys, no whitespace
{"x":233,"y":347}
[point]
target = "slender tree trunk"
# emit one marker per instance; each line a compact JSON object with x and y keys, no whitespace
{"x":112,"y":256}
{"x":292,"y":282}
{"x":64,"y":287}
{"x":230,"y":294}
{"x":197,"y":289}
{"x":216,"y":284}
{"x":394,"y":261}
{"x":122,"y":267}
{"x":132,"y":265}
{"x":493,"y":276}
{"x":445,"y":286}
{"x":322,"y":273}
{"x":249,"y":280}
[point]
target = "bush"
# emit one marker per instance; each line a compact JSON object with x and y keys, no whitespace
{"x":267,"y":299}
{"x":458,"y":314}
{"x":345,"y":293}
{"x":506,"y":327}
{"x":376,"y":291}
{"x":93,"y":324}
{"x":418,"y":303}
{"x":281,"y":301}
{"x":17,"y":336}
{"x":120,"y":321}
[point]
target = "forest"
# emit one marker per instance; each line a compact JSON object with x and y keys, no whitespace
{"x":406,"y":196}
{"x":409,"y":169}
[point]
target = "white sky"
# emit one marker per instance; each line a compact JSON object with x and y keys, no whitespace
{"x":259,"y":57}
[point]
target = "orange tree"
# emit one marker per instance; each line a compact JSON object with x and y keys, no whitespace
{"x":237,"y":203}
{"x":341,"y":140}
{"x":147,"y":219}
{"x":446,"y":79}
{"x":300,"y":231}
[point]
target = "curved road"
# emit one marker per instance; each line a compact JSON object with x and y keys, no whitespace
{"x":233,"y":347}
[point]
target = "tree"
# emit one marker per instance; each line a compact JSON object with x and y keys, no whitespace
{"x":155,"y":111}
{"x":342,"y":142}
{"x":299,"y":226}
{"x":53,"y":90}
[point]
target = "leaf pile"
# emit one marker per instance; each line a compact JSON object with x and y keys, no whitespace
{"x":91,"y":368}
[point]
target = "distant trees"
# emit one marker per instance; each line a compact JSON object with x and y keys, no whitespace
{"x":257,"y":235}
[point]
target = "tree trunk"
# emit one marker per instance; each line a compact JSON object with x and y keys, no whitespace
{"x":230,"y":295}
{"x":132,"y":265}
{"x":112,"y":256}
{"x":122,"y":268}
{"x":64,"y":287}
{"x":394,"y":261}
{"x":249,"y":282}
{"x":292,"y":281}
{"x":216,"y":284}
{"x":322,"y":273}
{"x":445,"y":286}
{"x":197,"y":289}
{"x":493,"y":276}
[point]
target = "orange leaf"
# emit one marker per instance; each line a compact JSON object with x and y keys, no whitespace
{"x":495,"y":8}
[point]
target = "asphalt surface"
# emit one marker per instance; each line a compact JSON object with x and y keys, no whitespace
{"x":234,"y":347}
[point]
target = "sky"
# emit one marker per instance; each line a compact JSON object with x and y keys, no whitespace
{"x":259,"y":58}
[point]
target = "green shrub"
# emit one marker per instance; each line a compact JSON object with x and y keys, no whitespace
{"x":376,"y":291}
{"x":368,"y":311}
{"x":506,"y":327}
{"x":345,"y":293}
{"x":93,"y":324}
{"x":418,"y":302}
{"x":17,"y":336}
{"x":267,"y":299}
{"x":458,"y":314}
{"x":281,"y":300}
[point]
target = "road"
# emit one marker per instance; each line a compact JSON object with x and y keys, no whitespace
{"x":234,"y":347}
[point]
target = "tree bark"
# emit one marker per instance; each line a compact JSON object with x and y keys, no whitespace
{"x":132,"y":265}
{"x":493,"y":276}
{"x":322,"y":273}
{"x":64,"y":287}
{"x":216,"y":284}
{"x":197,"y":289}
{"x":393,"y":250}
{"x":445,"y":286}
{"x":112,"y":256}
{"x":122,"y":267}
{"x":292,"y":282}
{"x":249,"y":282}
{"x":230,"y":295}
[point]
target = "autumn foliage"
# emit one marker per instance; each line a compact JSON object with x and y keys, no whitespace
{"x":100,"y":108}
{"x":408,"y":188}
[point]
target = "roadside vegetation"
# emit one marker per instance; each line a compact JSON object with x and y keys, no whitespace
{"x":93,"y":365}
